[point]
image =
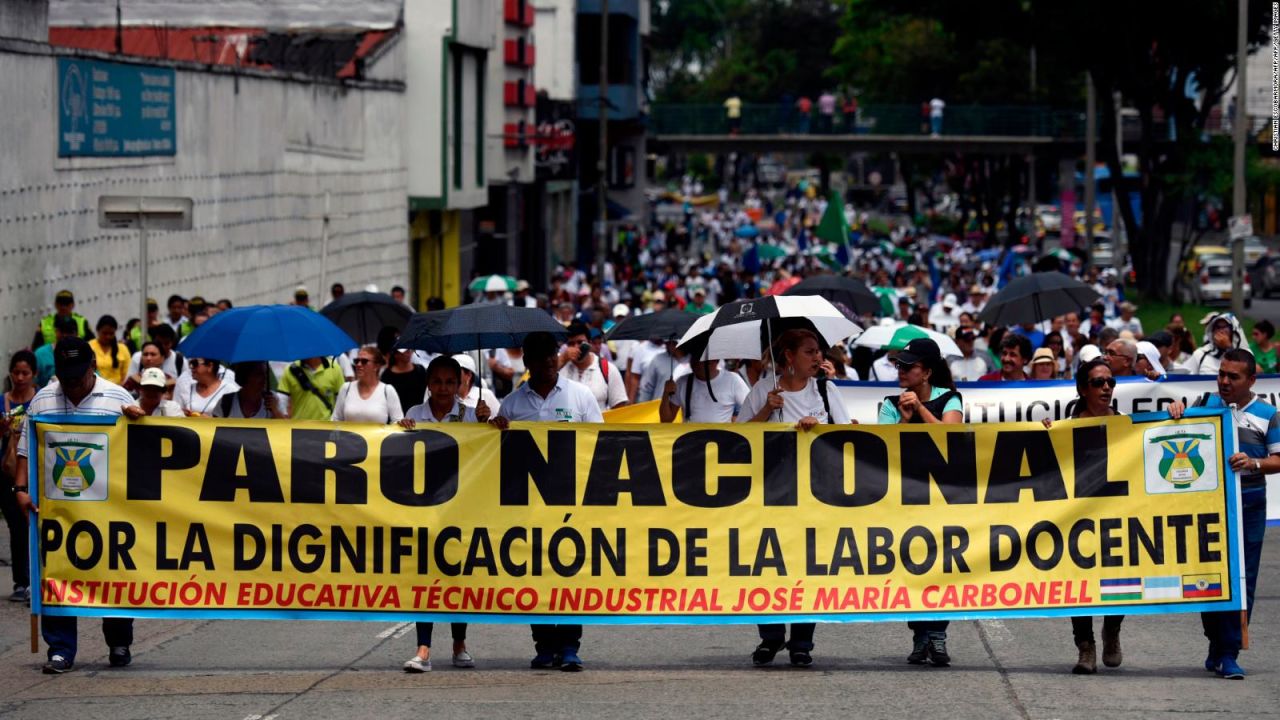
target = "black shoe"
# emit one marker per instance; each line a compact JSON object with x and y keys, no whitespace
{"x":543,"y":661}
{"x":570,"y":662}
{"x":938,"y":652}
{"x":57,"y":665}
{"x":801,"y":658}
{"x":919,"y":651}
{"x":120,"y":656}
{"x":764,"y":654}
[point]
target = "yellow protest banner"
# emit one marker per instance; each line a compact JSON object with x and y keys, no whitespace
{"x":635,"y":523}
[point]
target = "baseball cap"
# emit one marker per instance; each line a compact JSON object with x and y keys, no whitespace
{"x":1043,"y":355}
{"x":64,"y":296}
{"x":1151,"y":353}
{"x":917,"y":350}
{"x":977,"y":290}
{"x":522,"y":285}
{"x":467,"y":362}
{"x":621,"y":310}
{"x":72,"y":358}
{"x":949,"y":300}
{"x":965,"y":334}
{"x":1089,"y":353}
{"x":152,"y":377}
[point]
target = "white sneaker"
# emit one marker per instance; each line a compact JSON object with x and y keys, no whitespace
{"x":463,"y":659}
{"x":416,"y":664}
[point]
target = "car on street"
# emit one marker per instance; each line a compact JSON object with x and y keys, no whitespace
{"x":1265,"y":276}
{"x":1205,"y":278}
{"x":1050,"y":218}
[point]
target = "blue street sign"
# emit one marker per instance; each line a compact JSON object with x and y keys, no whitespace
{"x":108,"y":109}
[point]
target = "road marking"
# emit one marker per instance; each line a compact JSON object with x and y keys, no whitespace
{"x":381,"y":636}
{"x":402,"y":631}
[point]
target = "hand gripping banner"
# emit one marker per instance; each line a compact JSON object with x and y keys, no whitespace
{"x":634,"y":523}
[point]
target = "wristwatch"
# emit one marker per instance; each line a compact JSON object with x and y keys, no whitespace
{"x":19,"y":488}
{"x":1257,"y":465}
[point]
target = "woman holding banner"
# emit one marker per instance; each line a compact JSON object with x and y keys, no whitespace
{"x":444,"y":377}
{"x":1094,"y":388}
{"x":798,"y":394}
{"x":928,"y":396}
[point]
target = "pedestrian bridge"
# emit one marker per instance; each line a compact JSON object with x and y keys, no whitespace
{"x":1000,"y":130}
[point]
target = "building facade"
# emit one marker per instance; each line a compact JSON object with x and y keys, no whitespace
{"x":626,"y":177}
{"x":259,"y":149}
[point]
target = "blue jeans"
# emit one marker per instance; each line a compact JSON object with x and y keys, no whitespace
{"x":775,"y":635}
{"x":935,"y":124}
{"x":1223,"y":628}
{"x":555,"y":639}
{"x":60,"y":633}
{"x":424,"y":632}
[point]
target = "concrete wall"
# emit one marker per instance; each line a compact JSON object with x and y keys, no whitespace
{"x":257,"y":155}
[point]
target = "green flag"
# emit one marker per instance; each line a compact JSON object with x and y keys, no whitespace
{"x":833,"y":227}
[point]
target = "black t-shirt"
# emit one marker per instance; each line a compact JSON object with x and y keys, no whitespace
{"x":410,"y":386}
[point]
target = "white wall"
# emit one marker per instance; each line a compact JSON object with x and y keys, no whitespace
{"x":430,"y":96}
{"x":257,"y":156}
{"x":553,"y":32}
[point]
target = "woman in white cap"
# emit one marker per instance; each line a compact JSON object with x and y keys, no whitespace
{"x":1044,"y":366}
{"x":470,"y":394}
{"x":443,"y":404}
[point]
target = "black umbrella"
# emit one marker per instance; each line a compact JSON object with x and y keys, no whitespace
{"x":667,"y":325}
{"x":476,"y":327}
{"x":851,"y":293}
{"x":363,"y":314}
{"x":1037,"y":297}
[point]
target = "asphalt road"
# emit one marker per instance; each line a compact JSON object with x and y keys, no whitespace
{"x":255,"y":670}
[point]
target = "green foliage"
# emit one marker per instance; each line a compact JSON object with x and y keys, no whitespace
{"x":760,"y":50}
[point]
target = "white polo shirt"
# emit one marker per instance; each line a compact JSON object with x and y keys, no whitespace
{"x":568,"y":401}
{"x":460,"y":413}
{"x":106,"y":398}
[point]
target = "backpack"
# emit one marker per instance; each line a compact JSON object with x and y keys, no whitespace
{"x":305,"y":383}
{"x":935,"y":406}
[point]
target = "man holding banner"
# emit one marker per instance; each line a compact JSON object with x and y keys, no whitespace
{"x":78,"y":392}
{"x":550,"y":397}
{"x":1258,"y":426}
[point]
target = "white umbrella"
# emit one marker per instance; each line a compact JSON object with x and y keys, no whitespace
{"x":740,"y":328}
{"x":897,"y":335}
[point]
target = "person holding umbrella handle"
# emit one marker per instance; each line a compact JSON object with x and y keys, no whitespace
{"x":800,"y":397}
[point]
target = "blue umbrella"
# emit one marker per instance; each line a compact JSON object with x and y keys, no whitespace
{"x":747,"y":232}
{"x":282,"y":333}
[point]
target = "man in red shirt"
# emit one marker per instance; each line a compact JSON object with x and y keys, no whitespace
{"x":1015,"y":353}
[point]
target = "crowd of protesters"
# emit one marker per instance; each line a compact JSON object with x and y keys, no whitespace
{"x":714,"y":257}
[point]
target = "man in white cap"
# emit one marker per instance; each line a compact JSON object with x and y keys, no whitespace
{"x":1127,"y":320}
{"x":946,"y":314}
{"x":522,"y":298}
{"x":977,"y":300}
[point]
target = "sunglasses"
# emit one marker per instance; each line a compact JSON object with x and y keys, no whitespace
{"x":1099,"y":382}
{"x":361,"y":361}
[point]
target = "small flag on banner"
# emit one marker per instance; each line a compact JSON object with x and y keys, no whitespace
{"x":1167,"y":587}
{"x":1121,"y":588}
{"x":1201,"y":586}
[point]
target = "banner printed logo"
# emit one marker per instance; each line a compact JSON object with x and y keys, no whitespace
{"x":1181,"y":459}
{"x":76,"y":466}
